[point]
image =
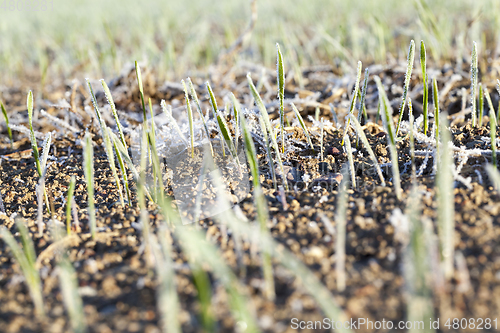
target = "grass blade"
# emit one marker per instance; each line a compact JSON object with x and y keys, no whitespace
{"x":141,"y":90}
{"x":281,"y":93}
{"x":111,"y":103}
{"x":224,"y":130}
{"x":352,"y":171}
{"x":261,"y":204}
{"x":268,"y":150}
{"x":353,"y":99}
{"x":265,"y":116}
{"x":302,"y":124}
{"x":481,"y":105}
{"x":6,"y":117}
{"x":237,"y":115}
{"x":72,"y":300}
{"x":425,"y":99}
{"x":88,"y":169}
{"x":190,"y":117}
{"x":435,"y":94}
{"x":387,"y":110}
{"x":409,"y":69}
{"x":194,"y":96}
{"x":69,"y":202}
{"x":34,"y":145}
{"x":473,"y":80}
{"x":362,"y":106}
{"x":445,"y":196}
{"x":26,"y":258}
{"x":364,"y":140}
{"x":341,"y":218}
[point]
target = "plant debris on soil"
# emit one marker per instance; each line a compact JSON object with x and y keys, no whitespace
{"x":118,"y":285}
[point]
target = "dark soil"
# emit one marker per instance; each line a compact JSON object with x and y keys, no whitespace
{"x":119,"y":287}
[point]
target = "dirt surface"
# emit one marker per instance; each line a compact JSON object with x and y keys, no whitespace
{"x":119,"y":288}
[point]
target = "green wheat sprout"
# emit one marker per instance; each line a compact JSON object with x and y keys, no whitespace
{"x":481,"y":104}
{"x":69,"y":202}
{"x":409,"y":69}
{"x":111,"y":103}
{"x":26,"y":258}
{"x":350,"y":158}
{"x":281,"y":94}
{"x":435,"y":95}
{"x":268,"y":150}
{"x":6,"y":117}
{"x":425,"y":98}
{"x":265,"y":116}
{"x":353,"y":99}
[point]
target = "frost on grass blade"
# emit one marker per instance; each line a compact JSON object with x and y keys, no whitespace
{"x":362,"y":106}
{"x":265,"y":116}
{"x":111,"y":103}
{"x":435,"y":95}
{"x":444,"y":181}
{"x":224,"y":130}
{"x":88,"y":169}
{"x":237,"y":115}
{"x":302,"y":124}
{"x":34,"y":145}
{"x":348,"y":150}
{"x":386,"y":109}
{"x":190,"y":117}
{"x":268,"y":150}
{"x":409,"y":69}
{"x":365,"y":142}
{"x":481,"y":105}
{"x":353,"y":99}
{"x":473,"y":85}
{"x":281,"y":93}
{"x":425,"y":98}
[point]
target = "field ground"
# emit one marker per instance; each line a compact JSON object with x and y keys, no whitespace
{"x":116,"y":274}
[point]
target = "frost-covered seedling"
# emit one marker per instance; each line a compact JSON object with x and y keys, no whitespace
{"x":444,"y":181}
{"x":69,"y":202}
{"x":362,"y":106}
{"x":141,"y":90}
{"x":88,"y":169}
{"x":260,"y":203}
{"x":6,"y":117}
{"x":473,"y":85}
{"x":435,"y":94}
{"x":237,"y":115}
{"x":190,"y":117}
{"x":302,"y":125}
{"x":412,"y":140}
{"x":265,"y":116}
{"x":167,"y":299}
{"x":268,"y":150}
{"x":221,"y":122}
{"x":425,"y":98}
{"x":111,"y":103}
{"x":365,"y":142}
{"x":348,"y":150}
{"x":194,"y":96}
{"x":353,"y":99}
{"x":108,"y":147}
{"x":71,"y":298}
{"x":26,"y":258}
{"x":409,"y":69}
{"x":281,"y":94}
{"x":391,"y":140}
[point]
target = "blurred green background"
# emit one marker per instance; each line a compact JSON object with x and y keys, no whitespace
{"x":97,"y":38}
